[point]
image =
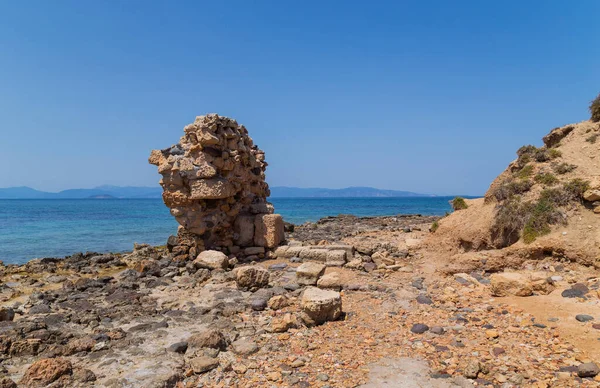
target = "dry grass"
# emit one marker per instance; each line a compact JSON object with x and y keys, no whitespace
{"x":459,"y":203}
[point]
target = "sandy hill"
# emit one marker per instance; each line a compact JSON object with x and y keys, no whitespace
{"x":546,"y":203}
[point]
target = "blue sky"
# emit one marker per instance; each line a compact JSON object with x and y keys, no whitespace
{"x":426,"y":96}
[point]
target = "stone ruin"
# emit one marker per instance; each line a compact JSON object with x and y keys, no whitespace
{"x":213,"y":181}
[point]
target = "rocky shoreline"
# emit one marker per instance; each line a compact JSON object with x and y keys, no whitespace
{"x":347,"y":302}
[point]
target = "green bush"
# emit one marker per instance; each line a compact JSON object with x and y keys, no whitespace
{"x":576,"y":187}
{"x":595,"y":109}
{"x":434,"y":226}
{"x":511,"y":188}
{"x":546,"y":179}
{"x":525,"y":172}
{"x":542,"y":215}
{"x":554,"y":153}
{"x":564,"y":168}
{"x":459,"y":203}
{"x":592,"y":139}
{"x":557,"y":196}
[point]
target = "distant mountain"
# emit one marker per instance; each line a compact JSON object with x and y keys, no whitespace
{"x":97,"y":192}
{"x":348,"y":192}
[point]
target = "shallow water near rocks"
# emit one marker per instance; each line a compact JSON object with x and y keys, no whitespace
{"x":54,"y":228}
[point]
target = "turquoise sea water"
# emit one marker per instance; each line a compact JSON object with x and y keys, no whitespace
{"x":55,"y":228}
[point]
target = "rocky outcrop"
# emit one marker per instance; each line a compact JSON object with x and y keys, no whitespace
{"x":214,"y":183}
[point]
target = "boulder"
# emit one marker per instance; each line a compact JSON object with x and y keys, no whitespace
{"x":7,"y":314}
{"x":283,"y":323}
{"x":203,"y":364}
{"x":592,"y":195}
{"x":212,"y":260}
{"x":278,"y":302}
{"x":210,"y":338}
{"x":320,"y":306}
{"x":309,"y":273}
{"x":268,"y":230}
{"x":252,"y":277}
{"x":330,"y":281}
{"x":510,"y":283}
{"x":46,"y":371}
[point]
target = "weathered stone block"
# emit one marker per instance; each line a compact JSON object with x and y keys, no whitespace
{"x":243,"y":229}
{"x":268,"y":230}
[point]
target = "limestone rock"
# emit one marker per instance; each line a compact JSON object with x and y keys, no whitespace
{"x":592,"y":195}
{"x":213,"y":181}
{"x":510,"y":283}
{"x":252,"y":278}
{"x":268,"y":230}
{"x":330,"y":281}
{"x":46,"y":371}
{"x":284,"y":323}
{"x":320,"y":306}
{"x":212,"y":260}
{"x":203,"y":364}
{"x":210,"y":338}
{"x":278,"y":302}
{"x":309,"y":273}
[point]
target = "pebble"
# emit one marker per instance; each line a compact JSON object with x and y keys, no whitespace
{"x":584,"y":317}
{"x":424,"y":299}
{"x":419,"y":328}
{"x":588,"y":369}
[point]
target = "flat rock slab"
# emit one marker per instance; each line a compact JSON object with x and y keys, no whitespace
{"x":403,"y":373}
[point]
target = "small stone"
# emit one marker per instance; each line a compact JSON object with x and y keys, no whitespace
{"x":7,"y":314}
{"x":259,"y":304}
{"x":178,"y":347}
{"x":472,"y":370}
{"x":212,"y":260}
{"x":424,"y":299}
{"x":438,"y":330}
{"x":45,"y":372}
{"x":573,"y":293}
{"x":203,"y":364}
{"x":419,"y":328}
{"x":244,"y":347}
{"x":492,"y":334}
{"x":320,"y":306}
{"x":208,"y":339}
{"x":252,"y":278}
{"x":278,"y":302}
{"x":589,"y":369}
{"x":322,"y":377}
{"x":309,"y":273}
{"x":584,"y":317}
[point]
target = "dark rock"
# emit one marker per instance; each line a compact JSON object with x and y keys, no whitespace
{"x":7,"y":314}
{"x":589,"y":369}
{"x":419,"y":328}
{"x":573,"y":293}
{"x":369,"y":267}
{"x":584,"y":317}
{"x":40,"y":309}
{"x":178,"y":347}
{"x":424,"y":299}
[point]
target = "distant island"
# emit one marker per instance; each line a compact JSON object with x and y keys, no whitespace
{"x":100,"y":192}
{"x":348,"y":192}
{"x":131,"y":192}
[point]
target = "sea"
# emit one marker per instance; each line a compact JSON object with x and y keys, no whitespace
{"x":37,"y":228}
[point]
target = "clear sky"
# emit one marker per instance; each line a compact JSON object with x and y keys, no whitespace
{"x":426,"y":96}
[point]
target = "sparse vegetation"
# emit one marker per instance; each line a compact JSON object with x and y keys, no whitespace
{"x":546,"y":179}
{"x":434,"y":226}
{"x":564,"y":168}
{"x":525,"y":172}
{"x":530,"y":152}
{"x":595,"y":109}
{"x":511,"y":188}
{"x":593,"y":138}
{"x":576,"y":187}
{"x":515,"y":218}
{"x":459,"y":203}
{"x":553,"y":153}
